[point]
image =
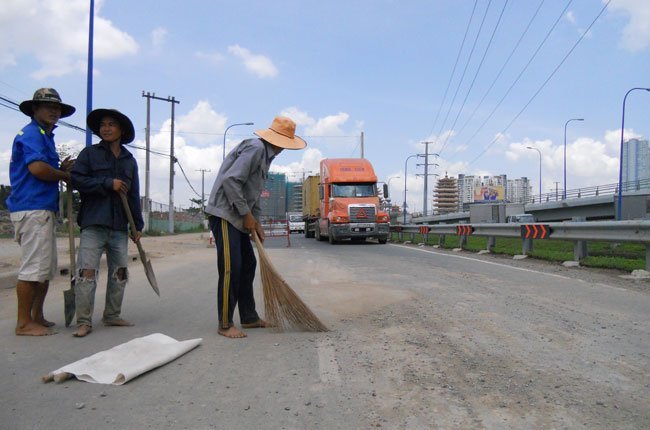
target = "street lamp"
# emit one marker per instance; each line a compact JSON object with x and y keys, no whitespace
{"x":620,"y":167}
{"x":224,"y":136}
{"x":406,"y":176}
{"x":565,"y":124}
{"x":540,"y":170}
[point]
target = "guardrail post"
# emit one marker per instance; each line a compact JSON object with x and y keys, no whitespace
{"x":441,"y":240}
{"x":579,"y":246}
{"x":647,"y":257}
{"x":412,"y":237}
{"x":463,"y":242}
{"x":491,"y":243}
{"x":526,"y":246}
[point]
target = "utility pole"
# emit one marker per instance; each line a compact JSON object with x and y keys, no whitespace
{"x":426,"y":164}
{"x":172,"y":159}
{"x":147,"y":201}
{"x":362,"y":145}
{"x":203,"y":188}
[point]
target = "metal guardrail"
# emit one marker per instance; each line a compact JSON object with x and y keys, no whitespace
{"x":636,"y":231}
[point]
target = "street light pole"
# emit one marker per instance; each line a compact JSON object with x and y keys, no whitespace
{"x":388,"y":200}
{"x":540,"y":170}
{"x":224,"y":136}
{"x":565,"y":124}
{"x":406,"y":176}
{"x":620,"y":167}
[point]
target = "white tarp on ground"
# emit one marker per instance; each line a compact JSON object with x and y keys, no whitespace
{"x":126,"y":361}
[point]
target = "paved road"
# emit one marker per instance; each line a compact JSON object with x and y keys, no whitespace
{"x":420,"y":339}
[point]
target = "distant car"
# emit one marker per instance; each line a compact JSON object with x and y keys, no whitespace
{"x":296,"y":223}
{"x":521,"y":218}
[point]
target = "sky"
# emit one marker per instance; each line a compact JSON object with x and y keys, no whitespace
{"x":482,"y":80}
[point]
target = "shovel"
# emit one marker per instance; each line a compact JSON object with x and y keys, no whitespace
{"x":68,"y":295}
{"x":148,"y":270}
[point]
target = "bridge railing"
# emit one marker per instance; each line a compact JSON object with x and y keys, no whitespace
{"x":594,"y":191}
{"x":635,"y":231}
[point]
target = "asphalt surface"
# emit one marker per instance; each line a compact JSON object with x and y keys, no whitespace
{"x":420,"y":338}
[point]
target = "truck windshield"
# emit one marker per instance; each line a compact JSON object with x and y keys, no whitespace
{"x":295,"y":218}
{"x":353,"y":190}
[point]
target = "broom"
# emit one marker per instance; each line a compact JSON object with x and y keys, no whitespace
{"x":282,"y":306}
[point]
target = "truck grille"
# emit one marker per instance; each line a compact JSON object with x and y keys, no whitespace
{"x":362,"y":213}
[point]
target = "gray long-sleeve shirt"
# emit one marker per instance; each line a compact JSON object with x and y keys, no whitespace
{"x":239,"y":184}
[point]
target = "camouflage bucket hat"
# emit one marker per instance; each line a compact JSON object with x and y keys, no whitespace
{"x":46,"y":95}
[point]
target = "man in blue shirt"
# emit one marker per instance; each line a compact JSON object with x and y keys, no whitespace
{"x":34,"y":174}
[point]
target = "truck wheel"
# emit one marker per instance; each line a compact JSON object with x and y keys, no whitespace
{"x":383,"y":241}
{"x":317,"y":233}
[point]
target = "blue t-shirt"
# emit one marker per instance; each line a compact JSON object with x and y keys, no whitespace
{"x":27,"y":191}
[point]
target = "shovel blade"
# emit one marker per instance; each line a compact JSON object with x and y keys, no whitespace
{"x":151,"y":277}
{"x":69,"y":306}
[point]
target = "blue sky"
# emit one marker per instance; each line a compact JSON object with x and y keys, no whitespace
{"x":339,"y":68}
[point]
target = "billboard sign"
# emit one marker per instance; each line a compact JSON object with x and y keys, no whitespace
{"x":488,"y":193}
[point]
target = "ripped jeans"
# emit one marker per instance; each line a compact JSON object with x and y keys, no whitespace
{"x":94,"y":241}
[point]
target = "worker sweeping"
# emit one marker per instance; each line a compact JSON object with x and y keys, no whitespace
{"x":234,"y":208}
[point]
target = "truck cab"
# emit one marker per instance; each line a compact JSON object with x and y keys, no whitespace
{"x":349,"y":202}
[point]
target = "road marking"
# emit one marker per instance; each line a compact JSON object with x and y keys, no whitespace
{"x":483,"y":261}
{"x":327,"y":364}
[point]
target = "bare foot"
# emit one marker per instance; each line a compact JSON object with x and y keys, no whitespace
{"x":45,"y":323}
{"x":258,"y":324}
{"x":117,"y":323}
{"x":231,"y":332}
{"x":34,"y":329}
{"x":83,"y":330}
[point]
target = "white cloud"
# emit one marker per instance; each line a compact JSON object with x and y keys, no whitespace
{"x":636,"y":34}
{"x":205,"y":125}
{"x":329,"y":125}
{"x":158,"y":37}
{"x":300,"y":118}
{"x":260,"y":65}
{"x":28,"y":24}
{"x":571,"y":17}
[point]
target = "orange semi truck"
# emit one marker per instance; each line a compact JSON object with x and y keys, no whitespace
{"x":343,"y":203}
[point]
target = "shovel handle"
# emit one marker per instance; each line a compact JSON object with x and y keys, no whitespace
{"x":73,"y":268}
{"x":125,"y":203}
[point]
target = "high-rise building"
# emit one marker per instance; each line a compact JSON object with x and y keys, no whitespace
{"x":518,"y":190}
{"x":445,"y":196}
{"x":274,"y":197}
{"x":636,"y":164}
{"x":294,"y":197}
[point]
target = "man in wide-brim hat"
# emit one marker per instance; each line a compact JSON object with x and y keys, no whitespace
{"x":102,"y":219}
{"x":233,"y":208}
{"x":34,"y":172}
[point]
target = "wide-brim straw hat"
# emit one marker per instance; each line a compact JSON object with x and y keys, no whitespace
{"x":282,"y":133}
{"x":94,"y":118}
{"x":46,"y":95}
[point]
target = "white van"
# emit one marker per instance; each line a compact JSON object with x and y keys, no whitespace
{"x":295,"y":222}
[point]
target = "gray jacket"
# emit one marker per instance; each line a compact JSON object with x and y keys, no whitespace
{"x":239,"y":184}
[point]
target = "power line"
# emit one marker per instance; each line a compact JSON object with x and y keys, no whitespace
{"x":539,"y":47}
{"x":545,"y":82}
{"x":453,"y":71}
{"x":496,"y":78}
{"x":478,"y":69}
{"x":469,"y":58}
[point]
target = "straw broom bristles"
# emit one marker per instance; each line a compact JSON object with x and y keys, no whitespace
{"x":282,"y":306}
